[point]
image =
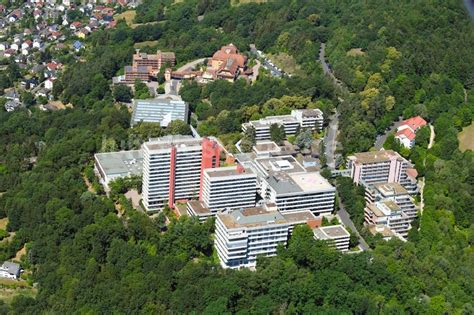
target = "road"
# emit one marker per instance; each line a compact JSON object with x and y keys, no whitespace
{"x":330,"y":142}
{"x":327,"y":69}
{"x":381,"y":139}
{"x":267,"y":63}
{"x":346,"y":220}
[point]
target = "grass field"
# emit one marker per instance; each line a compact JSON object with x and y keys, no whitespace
{"x":466,"y":138}
{"x":238,"y":2}
{"x":128,"y":16}
{"x":3,"y":223}
{"x":145,"y":44}
{"x":11,"y":288}
{"x":287,"y":63}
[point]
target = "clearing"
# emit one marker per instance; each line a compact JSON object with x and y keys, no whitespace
{"x":10,"y":288}
{"x":287,"y":63}
{"x":466,"y":138}
{"x":128,"y":16}
{"x":146,"y":44}
{"x":3,"y":223}
{"x":354,"y":52}
{"x":239,"y":2}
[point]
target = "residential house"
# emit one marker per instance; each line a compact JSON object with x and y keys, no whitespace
{"x":4,"y":46}
{"x":406,"y":132}
{"x":75,"y":26}
{"x":48,"y":84}
{"x":10,"y":270}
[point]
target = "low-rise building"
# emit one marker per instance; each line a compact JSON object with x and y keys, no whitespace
{"x":300,"y":118}
{"x":112,"y":165}
{"x":10,"y":270}
{"x":163,"y":109}
{"x":243,"y":235}
{"x":406,"y":132}
{"x":336,"y":236}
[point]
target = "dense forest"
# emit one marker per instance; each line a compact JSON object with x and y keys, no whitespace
{"x":394,"y":59}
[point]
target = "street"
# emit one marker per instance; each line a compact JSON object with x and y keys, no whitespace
{"x":330,"y":140}
{"x":346,"y":220}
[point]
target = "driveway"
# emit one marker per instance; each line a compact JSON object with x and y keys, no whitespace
{"x":381,"y":138}
{"x":191,"y":65}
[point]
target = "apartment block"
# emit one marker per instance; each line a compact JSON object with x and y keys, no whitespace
{"x":172,"y":168}
{"x":243,"y":235}
{"x":395,"y":192}
{"x":385,"y":166}
{"x":231,"y":187}
{"x":387,"y":213}
{"x":335,"y":235}
{"x":299,"y":118}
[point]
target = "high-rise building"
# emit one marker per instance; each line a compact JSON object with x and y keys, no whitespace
{"x":299,"y":118}
{"x":232,"y":187}
{"x":384,"y":166}
{"x":244,"y":234}
{"x":172,"y":168}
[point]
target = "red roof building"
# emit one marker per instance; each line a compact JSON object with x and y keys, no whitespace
{"x":406,"y":132}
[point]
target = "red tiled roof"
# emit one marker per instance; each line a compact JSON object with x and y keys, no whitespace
{"x":407,"y":133}
{"x":414,"y":122}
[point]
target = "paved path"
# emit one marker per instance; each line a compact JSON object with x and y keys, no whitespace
{"x":191,"y":65}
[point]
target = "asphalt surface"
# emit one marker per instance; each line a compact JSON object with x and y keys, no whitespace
{"x":381,"y":138}
{"x":346,"y":220}
{"x":330,"y":140}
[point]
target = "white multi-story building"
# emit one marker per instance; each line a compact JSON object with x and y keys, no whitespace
{"x":394,"y":192}
{"x":232,"y":187}
{"x":172,"y":168}
{"x":10,"y":270}
{"x":335,"y":235}
{"x":384,"y":166}
{"x":299,"y":118}
{"x":387,"y":213}
{"x":284,"y":181}
{"x":224,"y":188}
{"x":243,"y":235}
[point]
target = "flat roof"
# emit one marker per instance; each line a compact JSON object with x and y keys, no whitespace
{"x":384,"y":208}
{"x":266,"y":146}
{"x":381,"y":229}
{"x":299,"y":182}
{"x":311,"y":112}
{"x":121,"y":163}
{"x":280,"y":164}
{"x":391,"y":188}
{"x":299,"y":216}
{"x":269,"y":120}
{"x":162,"y":109}
{"x":251,"y":217}
{"x":330,"y":232}
{"x":198,"y":207}
{"x":167,"y":142}
{"x":228,"y":171}
{"x":375,"y":156}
